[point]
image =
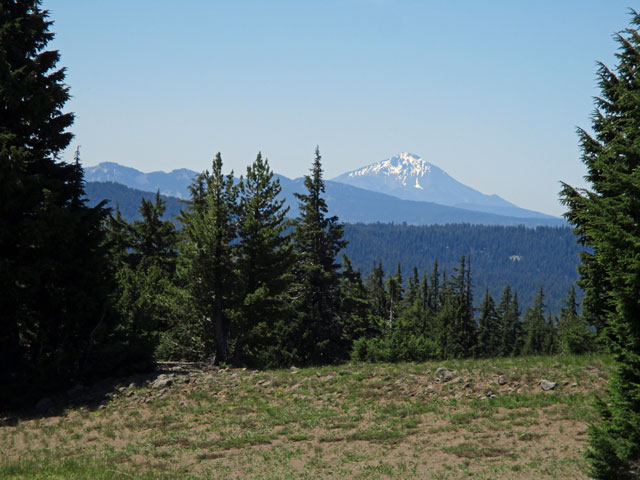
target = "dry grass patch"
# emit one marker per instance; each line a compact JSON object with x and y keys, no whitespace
{"x":353,"y":421}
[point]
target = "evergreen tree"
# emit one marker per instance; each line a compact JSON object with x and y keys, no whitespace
{"x":316,"y":295}
{"x":538,"y":330}
{"x":377,"y":294}
{"x":264,"y":265}
{"x":489,"y":341}
{"x":54,"y":277}
{"x":144,"y":256}
{"x":462,"y":340}
{"x":210,"y":226}
{"x":155,"y":241}
{"x":394,"y":288}
{"x":355,"y":309}
{"x":574,"y":334}
{"x":510,"y":326}
{"x":607,"y":219}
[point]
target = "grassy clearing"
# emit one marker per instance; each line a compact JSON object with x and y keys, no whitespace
{"x":354,"y":421}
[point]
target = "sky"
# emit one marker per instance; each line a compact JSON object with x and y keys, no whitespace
{"x":491,"y":92}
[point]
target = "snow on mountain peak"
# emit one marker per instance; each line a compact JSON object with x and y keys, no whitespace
{"x":402,"y":167}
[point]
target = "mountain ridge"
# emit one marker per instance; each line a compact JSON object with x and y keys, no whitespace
{"x":411,"y":177}
{"x":349,"y":202}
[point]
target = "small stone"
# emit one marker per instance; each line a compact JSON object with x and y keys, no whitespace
{"x":573,"y":385}
{"x":444,"y":374}
{"x":162,"y":383}
{"x":547,"y":385}
{"x":131,"y":394}
{"x":502,"y":380}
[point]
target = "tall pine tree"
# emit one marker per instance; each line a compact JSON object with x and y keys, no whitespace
{"x":318,"y":240}
{"x":606,"y":218}
{"x":264,"y":266}
{"x":54,"y":277}
{"x":210,"y":226}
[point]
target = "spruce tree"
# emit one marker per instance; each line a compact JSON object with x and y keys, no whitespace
{"x":210,"y":226}
{"x":264,"y":266}
{"x":573,"y":333}
{"x":318,"y":239}
{"x":606,"y":218}
{"x":538,"y":329}
{"x":355,"y":306}
{"x":54,"y":277}
{"x":377,"y":294}
{"x":510,"y":326}
{"x":488,"y":328}
{"x":144,"y":255}
{"x":462,"y":328}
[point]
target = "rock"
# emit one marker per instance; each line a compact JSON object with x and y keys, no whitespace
{"x":547,"y":385}
{"x":444,"y":374}
{"x":573,"y":385}
{"x":162,"y":381}
{"x":45,"y":405}
{"x":502,"y":380}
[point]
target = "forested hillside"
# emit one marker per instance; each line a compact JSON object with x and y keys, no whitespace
{"x":525,"y":258}
{"x":127,"y":199}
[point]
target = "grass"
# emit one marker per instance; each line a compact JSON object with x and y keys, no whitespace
{"x":353,"y":421}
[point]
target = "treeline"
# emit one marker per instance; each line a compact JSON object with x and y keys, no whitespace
{"x":524,"y":258}
{"x":237,"y":282}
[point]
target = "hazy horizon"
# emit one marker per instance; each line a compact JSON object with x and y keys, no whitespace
{"x":491,"y":93}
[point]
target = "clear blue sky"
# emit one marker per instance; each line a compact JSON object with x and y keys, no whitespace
{"x":490,"y":91}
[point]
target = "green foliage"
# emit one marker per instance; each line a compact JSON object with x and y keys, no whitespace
{"x":524,"y":258}
{"x":210,"y":225}
{"x":508,"y":312}
{"x":574,"y":334}
{"x":395,"y":347}
{"x":538,"y":330}
{"x":54,"y":276}
{"x":264,"y":265}
{"x":317,"y":335}
{"x":606,"y":218}
{"x":147,"y":299}
{"x":489,"y":332}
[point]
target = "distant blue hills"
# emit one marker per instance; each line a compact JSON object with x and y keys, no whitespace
{"x":350,"y":203}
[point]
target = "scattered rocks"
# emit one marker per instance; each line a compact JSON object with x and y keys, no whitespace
{"x":547,"y":385}
{"x":444,"y":374}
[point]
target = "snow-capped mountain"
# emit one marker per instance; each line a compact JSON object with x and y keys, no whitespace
{"x":411,"y":177}
{"x":377,"y":193}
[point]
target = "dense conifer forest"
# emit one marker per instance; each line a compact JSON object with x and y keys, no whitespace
{"x":525,"y":258}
